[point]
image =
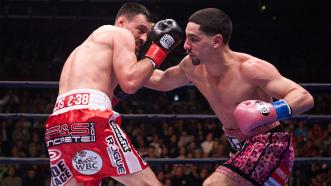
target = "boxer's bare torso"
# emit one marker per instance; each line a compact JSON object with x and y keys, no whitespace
{"x":225,"y":90}
{"x":227,"y":78}
{"x":90,"y":64}
{"x":108,"y":58}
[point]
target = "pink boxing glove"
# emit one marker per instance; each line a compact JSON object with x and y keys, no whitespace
{"x":252,"y":114}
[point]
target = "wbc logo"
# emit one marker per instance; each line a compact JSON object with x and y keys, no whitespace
{"x":87,"y":162}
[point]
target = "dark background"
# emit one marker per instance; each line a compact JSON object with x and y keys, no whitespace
{"x":36,"y":36}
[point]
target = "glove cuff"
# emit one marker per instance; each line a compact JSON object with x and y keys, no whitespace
{"x":282,"y":108}
{"x":156,"y":53}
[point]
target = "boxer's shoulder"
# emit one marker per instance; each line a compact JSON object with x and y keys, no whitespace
{"x":110,"y":33}
{"x":255,"y":68}
{"x":114,"y":30}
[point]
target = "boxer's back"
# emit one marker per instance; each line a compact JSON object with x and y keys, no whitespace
{"x":90,"y":64}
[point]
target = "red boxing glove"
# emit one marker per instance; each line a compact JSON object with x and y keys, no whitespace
{"x":253,"y":114}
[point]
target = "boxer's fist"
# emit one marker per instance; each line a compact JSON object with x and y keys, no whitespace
{"x":119,"y":95}
{"x":165,"y":36}
{"x":252,"y":114}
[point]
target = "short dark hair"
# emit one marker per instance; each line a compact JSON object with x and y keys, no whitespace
{"x":129,"y":10}
{"x":213,"y":21}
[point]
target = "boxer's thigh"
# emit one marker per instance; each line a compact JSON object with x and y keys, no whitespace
{"x":145,"y":177}
{"x":218,"y":178}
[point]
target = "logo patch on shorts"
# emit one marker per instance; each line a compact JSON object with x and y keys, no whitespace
{"x":87,"y":162}
{"x":263,"y":107}
{"x":54,"y":154}
{"x":115,"y":156}
{"x":70,"y":133}
{"x":279,"y":176}
{"x":234,"y":142}
{"x":61,"y":174}
{"x":121,"y":139}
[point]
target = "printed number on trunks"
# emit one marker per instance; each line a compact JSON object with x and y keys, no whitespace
{"x":71,"y":100}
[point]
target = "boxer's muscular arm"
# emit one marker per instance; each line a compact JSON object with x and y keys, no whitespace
{"x":266,"y":76}
{"x":130,"y":75}
{"x":169,"y":79}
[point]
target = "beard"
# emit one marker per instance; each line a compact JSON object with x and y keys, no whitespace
{"x":195,"y":61}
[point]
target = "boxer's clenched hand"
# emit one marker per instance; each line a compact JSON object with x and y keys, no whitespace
{"x":252,"y":114}
{"x":119,"y":95}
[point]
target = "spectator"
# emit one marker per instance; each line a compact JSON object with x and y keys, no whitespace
{"x":179,"y":178}
{"x":31,"y":178}
{"x":208,"y":144}
{"x":12,"y":179}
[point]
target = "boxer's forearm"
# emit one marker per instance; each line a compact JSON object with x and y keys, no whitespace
{"x":167,"y":80}
{"x":300,"y":100}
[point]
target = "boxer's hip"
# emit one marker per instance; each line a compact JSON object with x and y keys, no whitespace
{"x":89,"y":145}
{"x":77,"y":115}
{"x":261,"y":155}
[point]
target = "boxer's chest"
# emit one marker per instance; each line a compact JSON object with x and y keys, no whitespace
{"x":224,"y":92}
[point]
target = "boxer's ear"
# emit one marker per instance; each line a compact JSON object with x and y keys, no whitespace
{"x":218,"y":40}
{"x":121,"y":21}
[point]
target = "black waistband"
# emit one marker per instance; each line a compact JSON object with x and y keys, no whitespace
{"x":276,"y":129}
{"x":273,"y":130}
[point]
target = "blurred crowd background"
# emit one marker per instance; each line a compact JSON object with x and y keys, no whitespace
{"x":37,"y":36}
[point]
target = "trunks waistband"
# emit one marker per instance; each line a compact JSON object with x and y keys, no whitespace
{"x":80,"y":99}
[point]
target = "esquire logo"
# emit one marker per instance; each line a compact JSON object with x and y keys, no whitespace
{"x":87,"y":162}
{"x":60,"y":174}
{"x":70,"y":133}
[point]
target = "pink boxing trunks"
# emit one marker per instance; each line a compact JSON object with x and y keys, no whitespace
{"x":85,"y":141}
{"x":265,"y":159}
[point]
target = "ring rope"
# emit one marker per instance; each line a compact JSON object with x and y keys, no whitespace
{"x":162,"y":161}
{"x":163,"y":116}
{"x":54,"y":84}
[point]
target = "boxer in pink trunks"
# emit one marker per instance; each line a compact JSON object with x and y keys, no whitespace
{"x":240,"y":89}
{"x":83,"y":135}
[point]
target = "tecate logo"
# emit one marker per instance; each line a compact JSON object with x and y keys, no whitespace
{"x":87,"y":162}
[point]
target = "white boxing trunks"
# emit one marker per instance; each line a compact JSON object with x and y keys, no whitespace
{"x":85,"y":141}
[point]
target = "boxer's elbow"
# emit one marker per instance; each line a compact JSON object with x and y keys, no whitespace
{"x":309,"y":100}
{"x":130,"y":87}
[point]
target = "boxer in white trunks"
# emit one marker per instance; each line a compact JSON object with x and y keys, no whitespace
{"x":83,"y":135}
{"x":240,"y":89}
